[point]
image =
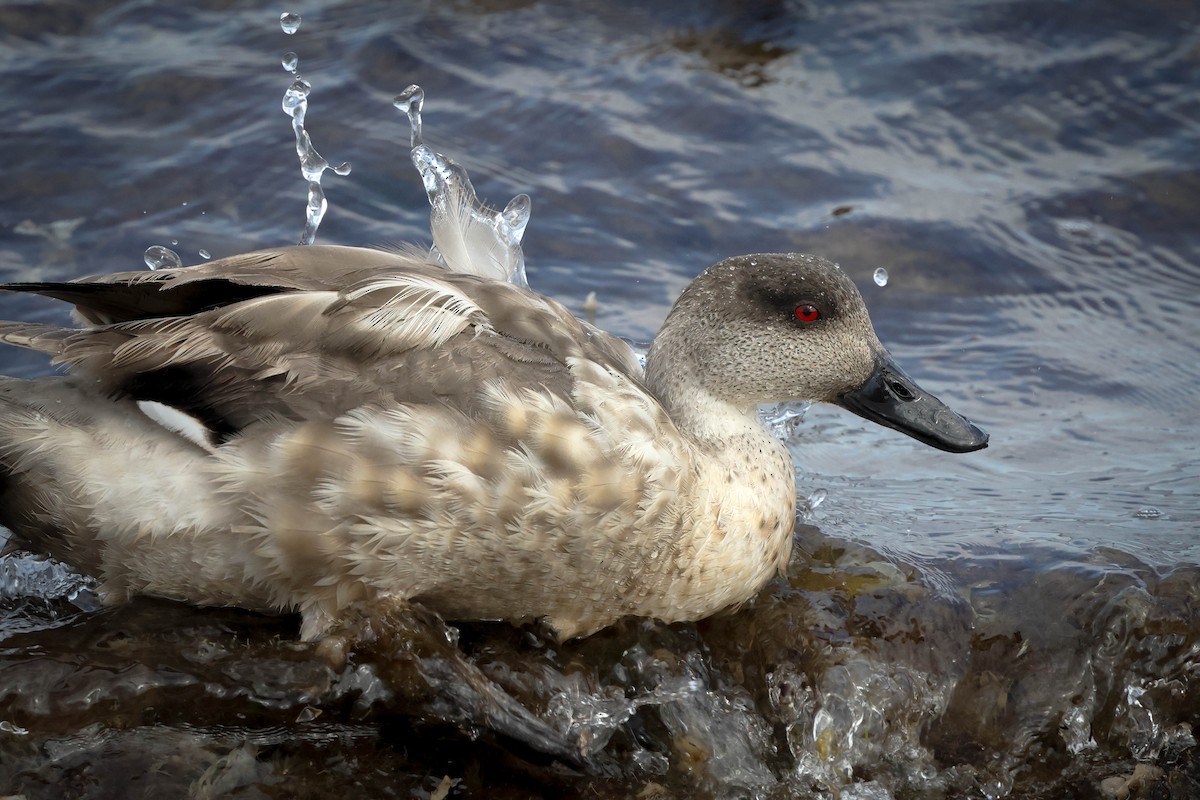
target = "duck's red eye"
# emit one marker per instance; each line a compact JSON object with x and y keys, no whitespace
{"x":807,"y":313}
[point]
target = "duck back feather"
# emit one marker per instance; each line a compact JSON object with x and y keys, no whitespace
{"x":304,"y":332}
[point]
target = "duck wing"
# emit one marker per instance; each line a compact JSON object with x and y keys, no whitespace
{"x":311,"y":332}
{"x":147,"y":294}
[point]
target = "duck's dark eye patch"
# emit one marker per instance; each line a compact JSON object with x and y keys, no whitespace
{"x":807,"y":312}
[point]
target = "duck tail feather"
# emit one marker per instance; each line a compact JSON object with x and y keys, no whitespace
{"x":106,"y":302}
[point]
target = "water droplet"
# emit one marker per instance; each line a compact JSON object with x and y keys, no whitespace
{"x":290,"y":62}
{"x":289,"y":22}
{"x":410,"y":101}
{"x":315,"y":211}
{"x":174,"y":241}
{"x":881,"y":277}
{"x":159,"y":257}
{"x":1148,"y":512}
{"x":312,"y":165}
{"x":516,"y":216}
{"x":205,"y":254}
{"x":468,"y":236}
{"x":295,"y":99}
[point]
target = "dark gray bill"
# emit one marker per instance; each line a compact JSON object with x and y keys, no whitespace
{"x":891,"y":398}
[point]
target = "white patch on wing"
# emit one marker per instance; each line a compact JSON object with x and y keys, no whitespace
{"x":178,"y":422}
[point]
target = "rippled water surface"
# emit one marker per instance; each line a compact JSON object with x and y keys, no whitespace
{"x":1018,"y":622}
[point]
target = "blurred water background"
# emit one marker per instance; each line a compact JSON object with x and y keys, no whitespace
{"x":1018,"y":622}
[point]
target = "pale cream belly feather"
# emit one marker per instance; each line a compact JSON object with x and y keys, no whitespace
{"x":537,"y":510}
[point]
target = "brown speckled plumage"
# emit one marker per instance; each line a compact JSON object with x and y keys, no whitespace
{"x":373,"y":426}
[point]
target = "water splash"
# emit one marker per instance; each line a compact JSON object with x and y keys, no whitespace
{"x":468,"y":236}
{"x":807,"y":505}
{"x":27,"y":576}
{"x":719,"y":731}
{"x":159,"y":257}
{"x":38,"y":594}
{"x":289,"y":22}
{"x":881,"y":277}
{"x":783,"y":420}
{"x":312,"y":165}
{"x":862,"y":715}
{"x":205,"y":255}
{"x":591,"y":718}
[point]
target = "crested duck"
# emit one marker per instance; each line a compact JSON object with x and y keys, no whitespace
{"x":313,"y":427}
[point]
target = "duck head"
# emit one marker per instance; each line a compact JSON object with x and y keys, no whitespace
{"x":774,"y":327}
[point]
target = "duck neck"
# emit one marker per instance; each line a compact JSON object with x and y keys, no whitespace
{"x":711,"y":422}
{"x":744,"y":510}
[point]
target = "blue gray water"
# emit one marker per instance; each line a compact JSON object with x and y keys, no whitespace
{"x":1017,"y":622}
